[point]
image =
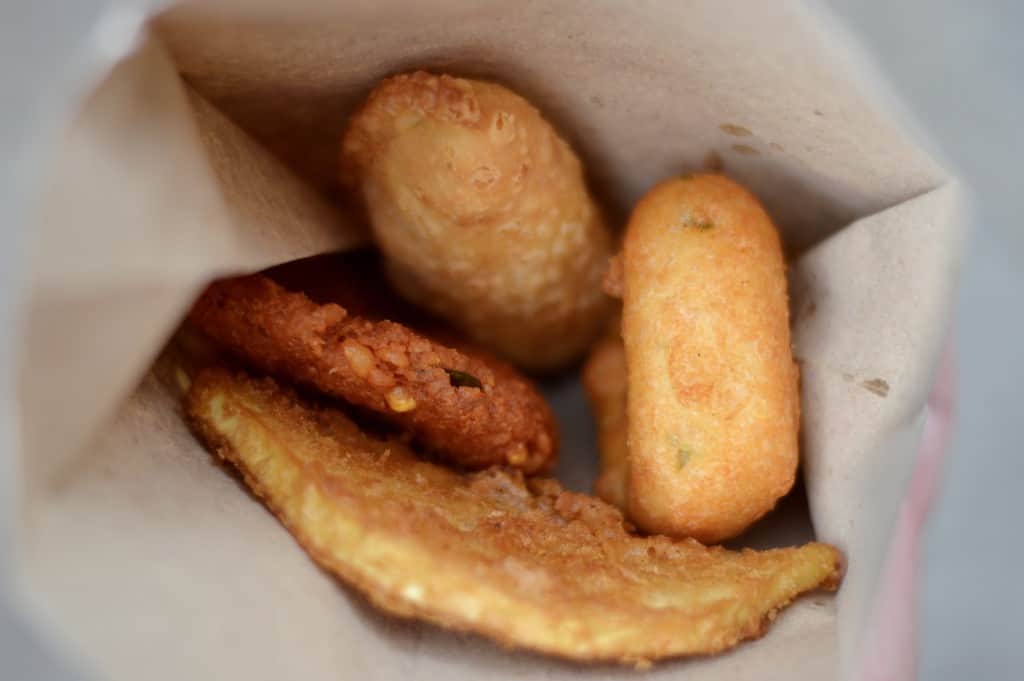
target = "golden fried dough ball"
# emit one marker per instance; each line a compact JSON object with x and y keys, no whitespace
{"x":483,"y":214}
{"x":713,"y":405}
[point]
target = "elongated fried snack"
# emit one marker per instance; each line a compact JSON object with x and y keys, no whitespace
{"x":713,"y":403}
{"x":522,"y":562}
{"x":468,"y":407}
{"x":482,"y":211}
{"x":604,"y":380}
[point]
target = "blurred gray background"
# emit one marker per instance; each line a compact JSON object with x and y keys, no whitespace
{"x":958,"y":66}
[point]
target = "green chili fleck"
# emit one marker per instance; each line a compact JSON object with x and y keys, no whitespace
{"x":460,"y":379}
{"x":701,"y":222}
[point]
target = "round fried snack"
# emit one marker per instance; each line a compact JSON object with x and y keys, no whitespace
{"x":604,"y":380}
{"x":483,"y":213}
{"x":466,"y":406}
{"x":524,"y":563}
{"x":713,"y":403}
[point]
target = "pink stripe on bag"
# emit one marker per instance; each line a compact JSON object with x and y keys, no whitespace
{"x":890,"y":650}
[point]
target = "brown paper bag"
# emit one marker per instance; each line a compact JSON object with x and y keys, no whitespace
{"x":211,"y":148}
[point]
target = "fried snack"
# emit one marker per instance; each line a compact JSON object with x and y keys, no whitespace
{"x":483,"y":214}
{"x":713,"y":405}
{"x":467,"y":407}
{"x":604,"y":380}
{"x":524,"y":563}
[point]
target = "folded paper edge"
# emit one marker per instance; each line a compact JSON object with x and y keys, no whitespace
{"x":203,"y":128}
{"x":856,"y":655}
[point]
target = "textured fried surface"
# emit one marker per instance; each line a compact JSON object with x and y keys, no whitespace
{"x":385,"y":367}
{"x":604,"y":380}
{"x":525,"y":563}
{"x":482,"y":211}
{"x":713,"y":403}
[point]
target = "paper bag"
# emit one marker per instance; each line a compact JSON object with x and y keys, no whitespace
{"x":211,"y":148}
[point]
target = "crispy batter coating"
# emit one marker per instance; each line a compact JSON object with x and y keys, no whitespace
{"x":524,"y":563}
{"x":604,"y":380}
{"x":483,"y":213}
{"x":468,"y":407}
{"x":713,"y":401}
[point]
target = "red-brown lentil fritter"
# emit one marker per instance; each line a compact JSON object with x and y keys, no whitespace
{"x":463,"y":405}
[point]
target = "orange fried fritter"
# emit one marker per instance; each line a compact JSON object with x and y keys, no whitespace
{"x":524,"y":563}
{"x":713,"y":406}
{"x":467,"y":407}
{"x":483,"y":213}
{"x":604,"y":380}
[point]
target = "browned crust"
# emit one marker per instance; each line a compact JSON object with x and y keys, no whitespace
{"x":384,"y":367}
{"x":441,"y":97}
{"x":612,"y":283}
{"x":604,"y":381}
{"x":713,"y":402}
{"x":601,"y":577}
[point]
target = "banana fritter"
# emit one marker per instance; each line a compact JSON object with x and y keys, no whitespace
{"x":522,"y":562}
